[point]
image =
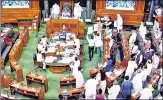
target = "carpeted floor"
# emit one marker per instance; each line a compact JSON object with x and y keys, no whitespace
{"x":26,"y":61}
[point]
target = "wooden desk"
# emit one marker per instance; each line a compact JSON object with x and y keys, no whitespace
{"x":94,"y":71}
{"x":37,"y":93}
{"x":30,"y":77}
{"x":5,"y":81}
{"x":6,"y":97}
{"x":74,"y":25}
{"x":121,"y":67}
{"x":106,"y":48}
{"x":70,"y":80}
{"x":19,"y":72}
{"x":125,"y":45}
{"x":72,"y":91}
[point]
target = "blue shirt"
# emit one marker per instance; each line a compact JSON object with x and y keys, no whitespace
{"x":127,"y":87}
{"x":108,"y":66}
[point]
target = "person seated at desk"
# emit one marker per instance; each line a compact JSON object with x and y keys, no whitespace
{"x":41,"y":47}
{"x":132,"y":66}
{"x":76,"y":42}
{"x":41,"y":58}
{"x":100,"y":96}
{"x":126,"y":88}
{"x":114,"y":90}
{"x":108,"y":65}
{"x":7,"y":39}
{"x":64,"y":29}
{"x":44,"y":40}
{"x":90,"y":88}
{"x":74,"y":65}
{"x":76,"y":51}
{"x":146,"y":93}
{"x":79,"y":78}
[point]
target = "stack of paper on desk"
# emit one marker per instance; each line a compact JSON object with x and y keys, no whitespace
{"x":52,"y":44}
{"x":70,"y":42}
{"x":50,"y":59}
{"x":117,"y":72}
{"x":51,"y":49}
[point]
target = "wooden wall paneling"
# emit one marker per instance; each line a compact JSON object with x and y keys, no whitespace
{"x":130,"y":17}
{"x":62,"y":2}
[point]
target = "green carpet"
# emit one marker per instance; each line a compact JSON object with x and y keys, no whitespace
{"x":26,"y":61}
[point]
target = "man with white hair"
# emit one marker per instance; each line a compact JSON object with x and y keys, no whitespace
{"x":119,"y":23}
{"x":77,"y":10}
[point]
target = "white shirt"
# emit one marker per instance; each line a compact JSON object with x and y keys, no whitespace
{"x":41,"y":48}
{"x":133,"y":38}
{"x":131,"y":67}
{"x":55,"y":9}
{"x":146,"y":94}
{"x":77,"y":43}
{"x":79,"y":79}
{"x":75,"y":66}
{"x":90,"y":87}
{"x":119,"y":23}
{"x":77,"y":11}
{"x":77,"y":51}
{"x":98,"y":41}
{"x":137,"y":82}
{"x":149,"y":68}
{"x":40,"y":57}
{"x":155,"y":61}
{"x":134,"y":49}
{"x":143,"y":31}
{"x":114,"y":91}
{"x":91,"y":41}
{"x":144,"y":74}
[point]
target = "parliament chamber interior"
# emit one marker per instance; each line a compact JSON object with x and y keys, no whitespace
{"x":81,"y":49}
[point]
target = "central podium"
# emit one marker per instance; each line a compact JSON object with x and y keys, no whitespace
{"x":73,"y":25}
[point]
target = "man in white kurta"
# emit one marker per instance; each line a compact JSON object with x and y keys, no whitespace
{"x":118,"y":23}
{"x":155,"y":26}
{"x":75,"y":65}
{"x":132,"y":39}
{"x":149,"y":67}
{"x":142,"y":30}
{"x":90,"y":88}
{"x":114,"y":91}
{"x":55,"y":11}
{"x":77,"y":10}
{"x":155,"y":61}
{"x":130,"y":68}
{"x":79,"y":79}
{"x":41,"y":59}
{"x":137,"y":83}
{"x":77,"y":42}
